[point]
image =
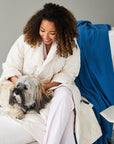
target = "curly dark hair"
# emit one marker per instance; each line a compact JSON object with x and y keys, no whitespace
{"x":65,"y":24}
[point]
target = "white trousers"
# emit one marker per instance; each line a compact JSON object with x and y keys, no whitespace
{"x":59,"y":128}
{"x":60,"y":121}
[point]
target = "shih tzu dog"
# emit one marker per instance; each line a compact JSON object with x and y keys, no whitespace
{"x":27,"y":95}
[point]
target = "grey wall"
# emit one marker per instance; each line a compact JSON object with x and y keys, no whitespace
{"x":15,"y":13}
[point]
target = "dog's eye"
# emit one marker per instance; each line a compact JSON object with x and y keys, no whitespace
{"x":17,"y":85}
{"x":25,"y":87}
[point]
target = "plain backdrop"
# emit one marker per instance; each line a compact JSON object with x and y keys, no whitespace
{"x":15,"y":13}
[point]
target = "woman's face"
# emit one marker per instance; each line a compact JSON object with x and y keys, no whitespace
{"x":47,"y":32}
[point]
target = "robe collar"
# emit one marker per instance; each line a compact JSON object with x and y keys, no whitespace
{"x":51,"y":54}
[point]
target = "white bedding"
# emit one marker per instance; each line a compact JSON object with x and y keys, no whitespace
{"x":19,"y":135}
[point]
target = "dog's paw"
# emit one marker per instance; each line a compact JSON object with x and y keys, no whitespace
{"x":17,"y":113}
{"x":20,"y":117}
{"x":32,"y":112}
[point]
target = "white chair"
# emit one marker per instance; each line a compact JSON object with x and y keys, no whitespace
{"x":108,"y":114}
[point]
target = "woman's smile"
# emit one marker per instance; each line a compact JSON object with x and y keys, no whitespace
{"x":47,"y":32}
{"x":46,"y":41}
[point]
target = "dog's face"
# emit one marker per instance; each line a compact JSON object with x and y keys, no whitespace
{"x":26,"y":92}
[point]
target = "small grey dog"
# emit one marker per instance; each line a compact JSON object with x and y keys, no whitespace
{"x":28,"y":95}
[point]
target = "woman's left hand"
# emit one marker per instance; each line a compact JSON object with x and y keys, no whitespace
{"x":44,"y":86}
{"x":50,"y":85}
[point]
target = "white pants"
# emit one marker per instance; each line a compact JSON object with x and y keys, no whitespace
{"x":61,"y":118}
{"x":59,"y":129}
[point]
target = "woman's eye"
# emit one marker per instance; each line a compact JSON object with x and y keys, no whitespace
{"x":52,"y":33}
{"x":42,"y":30}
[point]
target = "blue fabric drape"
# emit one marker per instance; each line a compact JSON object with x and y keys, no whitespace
{"x":96,"y":77}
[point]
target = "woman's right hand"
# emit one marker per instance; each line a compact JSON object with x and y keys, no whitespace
{"x":14,"y":79}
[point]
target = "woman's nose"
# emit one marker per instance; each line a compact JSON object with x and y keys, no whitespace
{"x":46,"y":36}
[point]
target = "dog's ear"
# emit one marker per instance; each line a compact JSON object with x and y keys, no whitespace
{"x":39,"y":93}
{"x":11,"y":98}
{"x":42,"y":98}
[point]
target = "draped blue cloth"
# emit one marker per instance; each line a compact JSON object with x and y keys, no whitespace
{"x":96,"y":76}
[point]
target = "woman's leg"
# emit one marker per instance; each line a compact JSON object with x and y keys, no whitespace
{"x":61,"y":118}
{"x":68,"y":136}
{"x":12,"y":133}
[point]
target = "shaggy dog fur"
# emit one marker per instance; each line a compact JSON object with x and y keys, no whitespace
{"x":25,"y":96}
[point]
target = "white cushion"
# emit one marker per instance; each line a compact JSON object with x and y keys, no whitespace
{"x":108,"y":114}
{"x":12,"y":133}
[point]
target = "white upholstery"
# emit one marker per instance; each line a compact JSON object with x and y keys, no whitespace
{"x":19,"y":135}
{"x":108,"y":114}
{"x":111,"y":38}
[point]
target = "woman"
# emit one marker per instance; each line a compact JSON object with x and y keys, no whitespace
{"x":48,"y":50}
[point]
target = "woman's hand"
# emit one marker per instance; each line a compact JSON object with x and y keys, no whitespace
{"x":44,"y":86}
{"x":50,"y":85}
{"x":13,"y":79}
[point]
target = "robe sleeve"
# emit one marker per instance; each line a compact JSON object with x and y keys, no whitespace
{"x":70,"y":70}
{"x":14,"y":61}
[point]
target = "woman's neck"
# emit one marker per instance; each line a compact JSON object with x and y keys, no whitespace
{"x":48,"y":48}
